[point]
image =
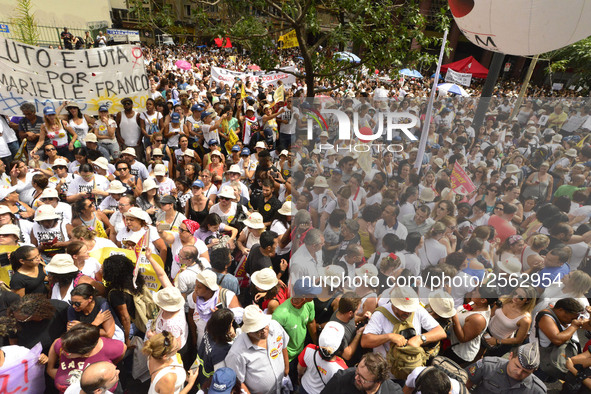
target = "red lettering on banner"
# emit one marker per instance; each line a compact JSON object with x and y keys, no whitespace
{"x":26,"y":370}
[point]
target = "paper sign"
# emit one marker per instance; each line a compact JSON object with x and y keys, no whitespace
{"x":543,"y":120}
{"x":25,"y":376}
{"x":459,"y":78}
{"x":289,"y":40}
{"x":92,"y":77}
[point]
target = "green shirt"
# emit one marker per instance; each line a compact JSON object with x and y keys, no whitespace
{"x":294,"y":321}
{"x":567,"y":190}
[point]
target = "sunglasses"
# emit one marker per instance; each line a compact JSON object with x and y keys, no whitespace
{"x":49,"y":150}
{"x":122,"y":169}
{"x":75,"y":303}
{"x":183,"y":230}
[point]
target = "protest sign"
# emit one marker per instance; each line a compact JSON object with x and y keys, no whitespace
{"x":6,"y":270}
{"x":222,"y":75}
{"x":24,"y":376}
{"x":288,"y":40}
{"x":145,"y":268}
{"x":93,"y":77}
{"x":458,"y":78}
{"x":460,"y":181}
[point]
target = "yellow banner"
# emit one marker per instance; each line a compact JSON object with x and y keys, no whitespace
{"x":290,"y":40}
{"x":279,"y":94}
{"x":146,"y":269}
{"x":232,"y":140}
{"x":6,"y":271}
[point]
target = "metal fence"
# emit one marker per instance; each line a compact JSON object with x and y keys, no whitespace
{"x":48,"y":35}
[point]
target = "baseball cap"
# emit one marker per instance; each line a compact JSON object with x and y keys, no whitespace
{"x":245,"y":152}
{"x":48,"y":111}
{"x":175,"y":117}
{"x":331,"y":337}
{"x":103,"y":108}
{"x":205,"y":114}
{"x":236,"y":148}
{"x":196,"y":107}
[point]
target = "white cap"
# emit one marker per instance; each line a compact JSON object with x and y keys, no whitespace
{"x":260,"y":144}
{"x":60,"y":162}
{"x":331,"y":337}
{"x":90,"y":137}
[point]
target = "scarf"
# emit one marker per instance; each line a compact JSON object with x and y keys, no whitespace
{"x":205,"y":307}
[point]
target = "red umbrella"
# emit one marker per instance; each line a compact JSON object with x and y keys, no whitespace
{"x":183,"y":64}
{"x":254,"y":67}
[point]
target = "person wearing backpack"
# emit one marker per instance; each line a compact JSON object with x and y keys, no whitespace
{"x":499,"y":375}
{"x":427,"y":380}
{"x":399,"y":329}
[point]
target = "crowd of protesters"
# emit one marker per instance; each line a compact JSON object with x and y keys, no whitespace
{"x":296,"y":264}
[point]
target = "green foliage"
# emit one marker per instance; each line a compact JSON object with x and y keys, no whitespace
{"x":576,"y":56}
{"x":380,"y":32}
{"x":24,"y":23}
{"x":156,"y":16}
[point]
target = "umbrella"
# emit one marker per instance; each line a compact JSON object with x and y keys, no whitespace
{"x":452,"y":88}
{"x":183,"y":65}
{"x":201,"y":46}
{"x":254,"y":67}
{"x":433,"y":76}
{"x":347,"y":56}
{"x":410,"y":73}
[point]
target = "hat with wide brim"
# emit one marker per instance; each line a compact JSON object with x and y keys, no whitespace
{"x":49,"y":192}
{"x":427,"y":195}
{"x":405,"y":299}
{"x":59,"y":162}
{"x":116,"y":187}
{"x":5,"y":191}
{"x":288,"y":209}
{"x":61,"y":264}
{"x":442,"y":304}
{"x":254,"y":319}
{"x":45,"y":212}
{"x":572,"y":152}
{"x":138,"y":213}
{"x":320,"y":181}
{"x":169,"y":299}
{"x":9,"y":229}
{"x":265,"y":279}
{"x":102,"y":163}
{"x":208,"y":279}
{"x":512,"y":169}
{"x":255,"y":221}
{"x":129,"y":151}
{"x":510,"y":265}
{"x":159,"y":170}
{"x":149,"y":184}
{"x":227,"y":192}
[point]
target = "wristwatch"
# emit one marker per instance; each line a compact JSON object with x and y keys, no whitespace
{"x":424,"y":339}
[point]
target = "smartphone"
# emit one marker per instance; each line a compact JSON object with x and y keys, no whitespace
{"x":219,"y":306}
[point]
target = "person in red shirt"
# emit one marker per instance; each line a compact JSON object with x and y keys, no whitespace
{"x":501,"y":220}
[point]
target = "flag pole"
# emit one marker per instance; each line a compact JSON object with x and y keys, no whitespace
{"x":427,"y":122}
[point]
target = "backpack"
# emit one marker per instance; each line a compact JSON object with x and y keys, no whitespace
{"x":403,"y":359}
{"x":145,"y":308}
{"x":447,"y":366}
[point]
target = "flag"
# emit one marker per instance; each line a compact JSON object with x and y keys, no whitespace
{"x":242,"y":92}
{"x":460,"y":181}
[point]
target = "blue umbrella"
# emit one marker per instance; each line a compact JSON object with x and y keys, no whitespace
{"x":433,"y":76}
{"x":410,"y":73}
{"x":347,"y":56}
{"x":452,"y":88}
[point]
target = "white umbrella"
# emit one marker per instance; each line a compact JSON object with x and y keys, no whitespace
{"x":452,"y":88}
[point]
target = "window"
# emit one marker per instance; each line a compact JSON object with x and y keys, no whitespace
{"x":187,"y":10}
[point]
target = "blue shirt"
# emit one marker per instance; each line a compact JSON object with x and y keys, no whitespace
{"x":550,"y":274}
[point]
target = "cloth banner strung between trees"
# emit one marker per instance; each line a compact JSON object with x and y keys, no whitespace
{"x":458,"y":78}
{"x":222,"y":75}
{"x":93,"y":77}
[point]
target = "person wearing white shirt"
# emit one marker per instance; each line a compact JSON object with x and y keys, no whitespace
{"x":388,"y":224}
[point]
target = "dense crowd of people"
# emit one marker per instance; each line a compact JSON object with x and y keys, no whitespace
{"x":285,"y":263}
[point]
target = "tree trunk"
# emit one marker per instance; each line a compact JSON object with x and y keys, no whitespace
{"x":308,"y":65}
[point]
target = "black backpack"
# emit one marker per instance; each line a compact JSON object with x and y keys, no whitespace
{"x":447,"y":366}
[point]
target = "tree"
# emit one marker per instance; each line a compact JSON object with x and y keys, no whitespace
{"x":381,"y":32}
{"x":24,"y":23}
{"x":154,"y":16}
{"x":576,"y":56}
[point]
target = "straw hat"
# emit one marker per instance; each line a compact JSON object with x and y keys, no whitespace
{"x":254,"y":319}
{"x":405,"y":299}
{"x":572,"y":152}
{"x":159,"y":170}
{"x":255,"y":221}
{"x":157,"y":152}
{"x":116,"y":187}
{"x":264,"y":279}
{"x":442,"y":303}
{"x":288,"y":209}
{"x":512,"y":169}
{"x":45,"y":212}
{"x":169,"y":299}
{"x":61,"y":264}
{"x":208,"y":279}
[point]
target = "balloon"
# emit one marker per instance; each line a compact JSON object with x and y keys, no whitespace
{"x":522,"y":27}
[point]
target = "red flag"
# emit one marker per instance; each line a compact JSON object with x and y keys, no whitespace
{"x":218,"y":42}
{"x":228,"y":43}
{"x":460,"y":181}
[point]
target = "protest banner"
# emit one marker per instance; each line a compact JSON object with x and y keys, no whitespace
{"x":91,"y":78}
{"x":145,"y":268}
{"x":460,"y":181}
{"x":288,"y":40}
{"x":6,"y":270}
{"x":24,"y":376}
{"x":222,"y":75}
{"x":458,"y":78}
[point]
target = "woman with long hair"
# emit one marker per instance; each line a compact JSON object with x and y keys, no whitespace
{"x":209,"y":189}
{"x":79,"y":347}
{"x":81,"y":123}
{"x":509,"y":324}
{"x":118,"y":274}
{"x":511,"y":248}
{"x":132,"y":183}
{"x":220,"y":332}
{"x":56,"y":132}
{"x":50,"y":155}
{"x":493,"y":191}
{"x":216,"y":166}
{"x":531,"y":259}
{"x":85,"y":213}
{"x":157,"y":142}
{"x":433,"y":251}
{"x":442,"y":209}
{"x":212,"y":226}
{"x":89,"y":266}
{"x":167,"y":375}
{"x":28,"y":271}
{"x":473,"y":249}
